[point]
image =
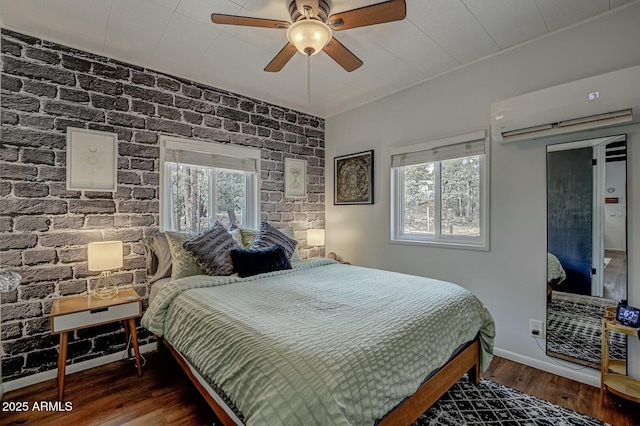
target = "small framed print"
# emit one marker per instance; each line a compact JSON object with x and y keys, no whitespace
{"x":295,"y":177}
{"x":92,"y":160}
{"x":353,"y":180}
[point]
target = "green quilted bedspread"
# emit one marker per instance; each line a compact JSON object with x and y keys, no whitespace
{"x":324,"y":343}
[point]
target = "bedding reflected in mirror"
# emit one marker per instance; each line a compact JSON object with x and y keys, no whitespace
{"x":586,"y":246}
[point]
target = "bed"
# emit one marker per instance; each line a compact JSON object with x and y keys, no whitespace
{"x":322,"y":343}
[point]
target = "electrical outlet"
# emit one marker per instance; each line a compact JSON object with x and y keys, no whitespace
{"x":536,"y":328}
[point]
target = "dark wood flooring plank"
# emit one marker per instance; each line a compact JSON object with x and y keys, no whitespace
{"x":113,"y":395}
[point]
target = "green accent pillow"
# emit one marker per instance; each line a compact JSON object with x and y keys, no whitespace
{"x":249,"y":235}
{"x":182,"y":262}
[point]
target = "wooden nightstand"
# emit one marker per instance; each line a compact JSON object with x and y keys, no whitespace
{"x":73,"y":313}
{"x":613,"y":373}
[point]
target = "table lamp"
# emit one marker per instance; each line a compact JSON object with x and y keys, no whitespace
{"x":104,"y":256}
{"x":315,"y":237}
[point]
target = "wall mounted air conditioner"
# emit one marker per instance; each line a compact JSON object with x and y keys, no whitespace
{"x":604,"y":100}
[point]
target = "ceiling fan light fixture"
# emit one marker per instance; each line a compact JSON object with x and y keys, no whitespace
{"x":309,"y":36}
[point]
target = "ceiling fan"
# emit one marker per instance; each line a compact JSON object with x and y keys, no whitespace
{"x":312,"y":25}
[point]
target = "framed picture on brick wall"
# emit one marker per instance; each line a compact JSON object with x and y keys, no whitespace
{"x":92,"y":160}
{"x":295,"y":177}
{"x":353,"y":180}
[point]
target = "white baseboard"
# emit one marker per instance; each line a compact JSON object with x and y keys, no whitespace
{"x":71,"y":368}
{"x":569,"y":370}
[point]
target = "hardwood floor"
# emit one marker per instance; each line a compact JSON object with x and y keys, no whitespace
{"x":114,"y":395}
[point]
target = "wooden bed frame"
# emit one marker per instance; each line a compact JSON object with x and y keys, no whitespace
{"x":465,"y":361}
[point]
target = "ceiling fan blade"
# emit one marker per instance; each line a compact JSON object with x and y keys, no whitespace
{"x":388,"y":11}
{"x":247,"y":21}
{"x":281,"y":59}
{"x":342,"y":55}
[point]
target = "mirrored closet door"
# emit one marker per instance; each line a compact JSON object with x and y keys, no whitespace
{"x":586,"y":246}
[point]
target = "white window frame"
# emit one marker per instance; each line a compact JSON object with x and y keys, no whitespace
{"x":204,"y":147}
{"x":438,"y":239}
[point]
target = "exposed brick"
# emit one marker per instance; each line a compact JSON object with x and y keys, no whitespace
{"x":107,"y":87}
{"x":112,"y":72}
{"x":37,"y":71}
{"x":168,"y":83}
{"x":138,"y":207}
{"x":74,"y":63}
{"x":109,"y":102}
{"x":8,"y":153}
{"x":10,"y":258}
{"x":38,"y":156}
{"x":231,"y":125}
{"x":34,"y":257}
{"x":60,"y":190}
{"x":36,"y":291}
{"x":37,"y":121}
{"x":72,"y":255}
{"x":211,"y":134}
{"x":99,"y":221}
{"x":139,"y":77}
{"x":32,"y":223}
{"x":232,"y":114}
{"x":169,"y":126}
{"x":72,"y":110}
{"x":145,"y":137}
{"x":66,"y":288}
{"x":20,"y":102}
{"x":231,"y":101}
{"x":42,"y":360}
{"x":42,"y":55}
{"x":27,"y":137}
{"x":11,"y":330}
{"x":30,"y":190}
{"x":61,"y":123}
{"x":11,"y":171}
{"x":122,"y":119}
{"x":143,"y":193}
{"x":260,"y":120}
{"x":51,"y":173}
{"x":9,"y":117}
{"x":211,"y":121}
{"x":168,"y":112}
{"x":68,"y":222}
{"x":191,"y":91}
{"x":149,"y":94}
{"x":71,"y":238}
{"x":11,"y":84}
{"x":6,"y":224}
{"x":37,"y":326}
{"x":17,"y":241}
{"x":192,"y":104}
{"x":40,"y":89}
{"x":73,"y":95}
{"x":20,"y":311}
{"x":11,"y":48}
{"x":212,"y":96}
{"x":91,"y":206}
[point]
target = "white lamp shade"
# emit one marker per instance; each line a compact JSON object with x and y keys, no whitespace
{"x":309,"y":36}
{"x":315,"y":237}
{"x":104,"y":255}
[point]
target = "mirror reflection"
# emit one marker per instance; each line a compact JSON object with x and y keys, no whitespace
{"x":586,"y":246}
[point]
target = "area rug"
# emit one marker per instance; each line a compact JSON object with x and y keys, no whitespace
{"x":574,"y":328}
{"x":492,"y":404}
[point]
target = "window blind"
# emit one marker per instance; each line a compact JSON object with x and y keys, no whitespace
{"x":446,"y":152}
{"x":207,"y":159}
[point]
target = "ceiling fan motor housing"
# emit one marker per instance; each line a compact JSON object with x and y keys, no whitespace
{"x":319,"y":9}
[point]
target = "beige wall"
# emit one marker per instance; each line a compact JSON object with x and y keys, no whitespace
{"x":510,"y":278}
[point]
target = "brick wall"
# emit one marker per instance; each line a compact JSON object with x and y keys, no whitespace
{"x":44,"y":228}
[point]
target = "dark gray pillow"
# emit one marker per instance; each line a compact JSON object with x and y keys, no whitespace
{"x":258,"y":261}
{"x":269,"y":235}
{"x":158,"y":257}
{"x":211,"y":250}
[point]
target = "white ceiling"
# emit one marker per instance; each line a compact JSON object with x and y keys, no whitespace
{"x":177,"y":37}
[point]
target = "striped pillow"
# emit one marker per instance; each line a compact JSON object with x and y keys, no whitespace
{"x":268,"y":236}
{"x":211,"y":250}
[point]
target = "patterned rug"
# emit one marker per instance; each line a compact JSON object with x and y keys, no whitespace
{"x":574,"y":328}
{"x":491,"y":404}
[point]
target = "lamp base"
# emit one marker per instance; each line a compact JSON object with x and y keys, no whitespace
{"x":106,"y":287}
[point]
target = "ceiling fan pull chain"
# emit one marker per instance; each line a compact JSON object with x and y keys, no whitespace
{"x":309,"y":78}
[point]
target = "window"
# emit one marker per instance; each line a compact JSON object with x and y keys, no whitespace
{"x":439,"y":192}
{"x":202,"y":182}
